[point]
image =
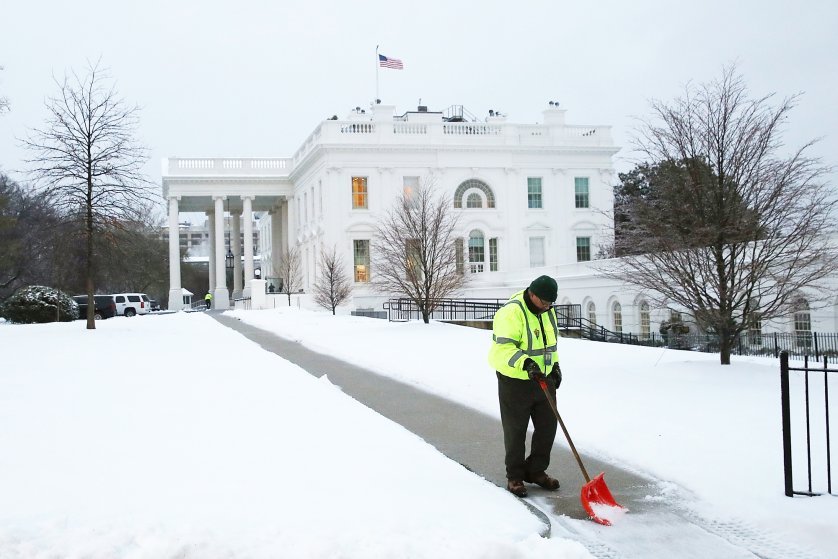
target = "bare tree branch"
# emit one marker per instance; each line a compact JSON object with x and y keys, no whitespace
{"x":729,"y":228}
{"x":332,"y":286}
{"x":87,"y":162}
{"x":289,"y":268}
{"x":415,"y":252}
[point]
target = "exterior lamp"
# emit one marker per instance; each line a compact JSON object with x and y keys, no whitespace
{"x":230,"y":259}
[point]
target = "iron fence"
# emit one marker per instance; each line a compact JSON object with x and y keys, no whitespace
{"x":814,"y":345}
{"x":799,"y":345}
{"x":469,"y":310}
{"x":814,"y":429}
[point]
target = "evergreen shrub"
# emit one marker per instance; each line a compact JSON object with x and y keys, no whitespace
{"x":37,"y":304}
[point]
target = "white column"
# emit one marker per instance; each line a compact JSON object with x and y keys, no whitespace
{"x":289,"y":222}
{"x":287,"y":240}
{"x":175,"y":292}
{"x":235,"y":242}
{"x":210,"y":253}
{"x":247,"y":216}
{"x":276,"y":242}
{"x":220,"y":295}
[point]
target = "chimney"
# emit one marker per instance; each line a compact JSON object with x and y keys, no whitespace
{"x":383,"y":113}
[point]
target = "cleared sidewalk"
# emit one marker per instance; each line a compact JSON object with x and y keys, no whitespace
{"x":475,"y":440}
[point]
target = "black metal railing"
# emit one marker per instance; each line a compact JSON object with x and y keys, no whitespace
{"x":468,"y":310}
{"x":810,"y":407}
{"x":813,"y":345}
{"x":243,"y":303}
{"x":799,"y":345}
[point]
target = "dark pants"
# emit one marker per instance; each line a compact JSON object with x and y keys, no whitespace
{"x":520,"y":401}
{"x":209,"y":302}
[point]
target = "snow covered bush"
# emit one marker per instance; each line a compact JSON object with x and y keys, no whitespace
{"x":37,"y":303}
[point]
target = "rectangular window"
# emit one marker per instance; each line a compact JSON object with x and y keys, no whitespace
{"x":493,"y":254}
{"x":582,"y":194}
{"x":476,"y":253}
{"x":583,"y":249}
{"x":536,"y":252}
{"x":361,"y":258}
{"x":409,"y":187}
{"x":755,"y":329}
{"x":413,"y":262}
{"x":618,"y":318}
{"x":803,"y":328}
{"x":645,"y":322}
{"x":460,"y":251}
{"x":359,"y":193}
{"x":534,"y":200}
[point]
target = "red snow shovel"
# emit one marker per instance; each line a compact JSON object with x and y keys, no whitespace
{"x":594,"y":492}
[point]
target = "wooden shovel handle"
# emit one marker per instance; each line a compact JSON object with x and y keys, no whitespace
{"x":543,"y":384}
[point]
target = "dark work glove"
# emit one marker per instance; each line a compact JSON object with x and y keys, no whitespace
{"x":556,"y":374}
{"x":531,"y":367}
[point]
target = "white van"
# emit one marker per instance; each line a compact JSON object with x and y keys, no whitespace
{"x":130,"y":304}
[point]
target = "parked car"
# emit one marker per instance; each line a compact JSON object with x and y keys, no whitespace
{"x":155,"y":306}
{"x":131,"y":304}
{"x":104,"y":306}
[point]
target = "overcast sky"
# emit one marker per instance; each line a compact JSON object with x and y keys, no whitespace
{"x":254,"y":78}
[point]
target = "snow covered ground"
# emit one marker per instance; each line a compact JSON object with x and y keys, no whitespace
{"x":209,"y":446}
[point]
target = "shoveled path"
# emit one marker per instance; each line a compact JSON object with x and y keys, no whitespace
{"x":655,"y":527}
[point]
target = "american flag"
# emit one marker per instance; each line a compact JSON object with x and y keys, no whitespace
{"x":393,"y":63}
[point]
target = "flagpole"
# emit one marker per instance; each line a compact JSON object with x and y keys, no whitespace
{"x":376,"y":75}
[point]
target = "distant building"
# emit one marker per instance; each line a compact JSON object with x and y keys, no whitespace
{"x":194,"y":239}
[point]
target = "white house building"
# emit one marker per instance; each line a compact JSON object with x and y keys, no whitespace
{"x":532,"y":198}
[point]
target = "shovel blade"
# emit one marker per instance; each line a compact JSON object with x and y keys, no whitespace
{"x":595,"y":495}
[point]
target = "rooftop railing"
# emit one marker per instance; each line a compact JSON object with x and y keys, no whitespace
{"x":366,"y":132}
{"x":177,"y":166}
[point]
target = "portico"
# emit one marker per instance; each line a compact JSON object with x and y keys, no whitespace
{"x":220,"y":187}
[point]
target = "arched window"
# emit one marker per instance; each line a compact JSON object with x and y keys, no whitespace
{"x":645,"y":321}
{"x":592,"y":314}
{"x":476,"y":251}
{"x":754,"y":324}
{"x":474,"y":200}
{"x":617,"y":316}
{"x":479,"y":185}
{"x":802,"y":323}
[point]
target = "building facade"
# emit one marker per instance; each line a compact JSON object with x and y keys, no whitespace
{"x":532,"y":199}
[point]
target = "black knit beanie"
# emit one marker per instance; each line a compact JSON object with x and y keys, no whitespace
{"x":545,"y":288}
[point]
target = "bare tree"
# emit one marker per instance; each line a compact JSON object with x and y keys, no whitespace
{"x":332,"y":286}
{"x":88,"y":163}
{"x":735,"y":231}
{"x":289,"y":271}
{"x":415,"y":249}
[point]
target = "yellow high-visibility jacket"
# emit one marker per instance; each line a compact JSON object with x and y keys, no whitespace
{"x":518,"y":334}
